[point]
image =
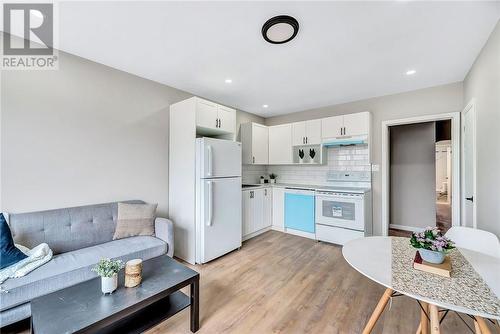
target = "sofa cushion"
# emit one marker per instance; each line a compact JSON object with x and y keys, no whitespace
{"x":74,"y":267}
{"x":134,"y":220}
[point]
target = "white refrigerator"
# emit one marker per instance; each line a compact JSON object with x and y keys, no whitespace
{"x":218,"y":198}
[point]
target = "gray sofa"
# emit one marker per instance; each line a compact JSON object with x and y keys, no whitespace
{"x":79,"y":237}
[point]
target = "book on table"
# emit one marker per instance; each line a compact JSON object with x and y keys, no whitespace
{"x":442,"y":269}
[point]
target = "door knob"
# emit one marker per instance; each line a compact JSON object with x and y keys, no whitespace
{"x":470,"y":198}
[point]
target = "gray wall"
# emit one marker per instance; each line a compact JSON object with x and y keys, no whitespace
{"x":428,"y":101}
{"x":483,"y":84}
{"x":413,"y":175}
{"x":84,"y":134}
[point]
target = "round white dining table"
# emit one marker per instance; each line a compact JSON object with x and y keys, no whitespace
{"x":374,"y":258}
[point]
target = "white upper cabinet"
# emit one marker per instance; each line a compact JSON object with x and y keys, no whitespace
{"x":357,"y":124}
{"x":227,"y":119}
{"x":213,"y":118}
{"x":280,"y":144}
{"x":299,"y":133}
{"x":206,"y":114}
{"x":332,"y":126}
{"x":313,"y":132}
{"x":346,"y":125}
{"x":307,"y":133}
{"x":255,"y":144}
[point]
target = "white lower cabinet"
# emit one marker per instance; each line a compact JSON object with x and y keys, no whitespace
{"x":278,"y":211}
{"x":257,"y":211}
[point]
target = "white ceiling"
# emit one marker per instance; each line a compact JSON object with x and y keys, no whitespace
{"x":344,"y":51}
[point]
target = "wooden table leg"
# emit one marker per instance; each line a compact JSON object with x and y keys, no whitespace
{"x":434,"y":315}
{"x":482,"y":325}
{"x":195,"y":305}
{"x":378,"y":311}
{"x":477,"y":328}
{"x":424,"y":321}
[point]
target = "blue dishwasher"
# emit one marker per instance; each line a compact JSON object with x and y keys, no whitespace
{"x":299,"y":210}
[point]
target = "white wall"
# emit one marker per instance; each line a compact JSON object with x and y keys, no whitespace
{"x":84,"y":134}
{"x":413,"y":175}
{"x":483,"y":84}
{"x":428,"y":101}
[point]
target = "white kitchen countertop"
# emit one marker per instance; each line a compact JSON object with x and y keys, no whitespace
{"x":309,"y":187}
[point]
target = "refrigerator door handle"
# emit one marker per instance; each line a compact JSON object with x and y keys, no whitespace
{"x":209,"y":151}
{"x":210,"y":203}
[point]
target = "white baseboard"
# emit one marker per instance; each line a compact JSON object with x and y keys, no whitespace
{"x":254,"y":234}
{"x":278,"y":228}
{"x":301,"y":233}
{"x":406,"y":228}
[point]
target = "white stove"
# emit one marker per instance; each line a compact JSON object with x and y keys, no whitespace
{"x":344,"y":209}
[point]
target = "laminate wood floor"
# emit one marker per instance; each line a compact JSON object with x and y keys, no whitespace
{"x":280,"y":283}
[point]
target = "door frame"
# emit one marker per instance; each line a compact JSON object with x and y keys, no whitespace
{"x":456,"y":159}
{"x":471,"y":107}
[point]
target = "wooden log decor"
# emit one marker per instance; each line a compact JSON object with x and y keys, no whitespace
{"x":133,"y":273}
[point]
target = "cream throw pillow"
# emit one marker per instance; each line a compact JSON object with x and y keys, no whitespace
{"x":134,"y":220}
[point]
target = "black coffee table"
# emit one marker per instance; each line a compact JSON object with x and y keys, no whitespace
{"x":82,"y":308}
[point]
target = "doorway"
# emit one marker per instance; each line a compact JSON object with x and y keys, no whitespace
{"x":420,"y":173}
{"x":469,"y":198}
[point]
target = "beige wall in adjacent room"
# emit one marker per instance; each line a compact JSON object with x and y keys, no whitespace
{"x":84,"y":134}
{"x":413,"y":175}
{"x":482,"y":84}
{"x":428,"y":101}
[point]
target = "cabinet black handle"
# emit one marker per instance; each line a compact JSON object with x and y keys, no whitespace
{"x":470,"y":198}
{"x":253,"y":159}
{"x":306,"y":139}
{"x":220,"y":122}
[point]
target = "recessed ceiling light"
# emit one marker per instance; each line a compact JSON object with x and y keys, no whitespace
{"x":280,"y":29}
{"x":228,"y":80}
{"x":411,"y":72}
{"x":265,"y":106}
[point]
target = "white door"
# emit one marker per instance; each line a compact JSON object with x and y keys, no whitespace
{"x":280,"y":144}
{"x":260,"y":144}
{"x":267,"y":207}
{"x":221,"y":217}
{"x":331,"y":126}
{"x":299,"y":133}
{"x":356,"y":124}
{"x":313,"y":132}
{"x":206,"y":114}
{"x":227,"y":119}
{"x":218,"y":157}
{"x":278,"y":211}
{"x":469,"y":166}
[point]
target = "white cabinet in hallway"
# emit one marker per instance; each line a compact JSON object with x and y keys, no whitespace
{"x":307,"y":133}
{"x":346,"y":125}
{"x":213,"y":118}
{"x":255,"y":144}
{"x":280,"y":144}
{"x":257,"y":211}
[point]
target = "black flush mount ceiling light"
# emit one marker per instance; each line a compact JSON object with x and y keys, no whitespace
{"x":280,"y":29}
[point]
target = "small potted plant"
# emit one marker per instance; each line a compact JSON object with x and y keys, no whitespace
{"x":312,"y":154}
{"x":108,"y":270}
{"x":301,"y":155}
{"x":262,"y":180}
{"x":431,"y":244}
{"x":272,"y":178}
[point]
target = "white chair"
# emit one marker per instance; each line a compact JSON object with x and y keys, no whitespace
{"x":474,"y":239}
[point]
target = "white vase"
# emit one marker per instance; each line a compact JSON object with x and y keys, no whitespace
{"x":272,"y":180}
{"x":301,"y":161}
{"x":109,"y":284}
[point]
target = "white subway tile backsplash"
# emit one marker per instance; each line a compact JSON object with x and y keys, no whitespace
{"x":338,"y":159}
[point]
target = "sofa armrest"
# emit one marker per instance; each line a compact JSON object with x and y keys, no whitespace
{"x":164,"y":230}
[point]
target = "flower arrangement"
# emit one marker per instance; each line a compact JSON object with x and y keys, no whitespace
{"x":108,"y":267}
{"x":431,"y":239}
{"x":301,"y":154}
{"x":272,"y":176}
